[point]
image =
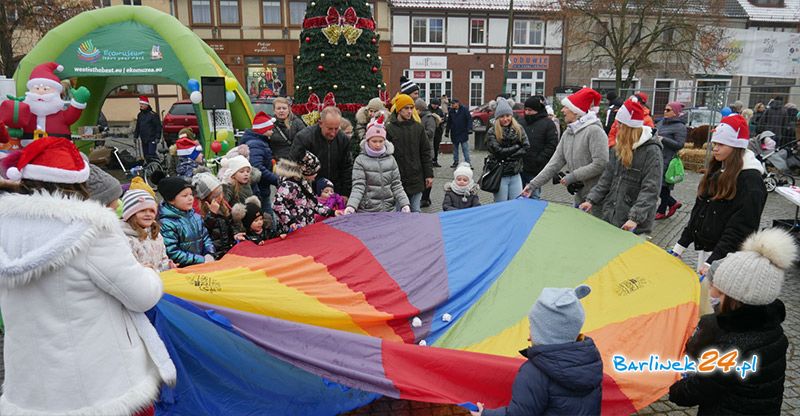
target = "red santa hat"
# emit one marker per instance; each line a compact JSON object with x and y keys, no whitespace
{"x":263,"y":122}
{"x":45,"y":74}
{"x":631,"y":113}
{"x":732,"y":131}
{"x":583,"y":101}
{"x":186,"y":147}
{"x":144,"y":100}
{"x":49,"y":159}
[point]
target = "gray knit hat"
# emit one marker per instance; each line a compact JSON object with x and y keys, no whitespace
{"x":557,"y":316}
{"x":754,"y":275}
{"x":204,"y":184}
{"x":503,"y":108}
{"x":103,"y":187}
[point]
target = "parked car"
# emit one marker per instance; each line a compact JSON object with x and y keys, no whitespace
{"x":180,"y":115}
{"x":484,"y":115}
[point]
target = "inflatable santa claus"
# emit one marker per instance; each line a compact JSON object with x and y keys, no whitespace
{"x":44,"y":99}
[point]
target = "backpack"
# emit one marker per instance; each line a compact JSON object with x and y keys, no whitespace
{"x":675,"y":172}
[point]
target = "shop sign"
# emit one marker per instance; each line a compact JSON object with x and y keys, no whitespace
{"x":263,"y":47}
{"x":419,"y":75}
{"x":217,"y":47}
{"x":436,"y":75}
{"x":427,"y":62}
{"x":528,"y":62}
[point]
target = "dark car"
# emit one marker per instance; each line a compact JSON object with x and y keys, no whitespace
{"x":180,"y":115}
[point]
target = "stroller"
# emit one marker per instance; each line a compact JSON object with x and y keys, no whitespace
{"x":776,"y":161}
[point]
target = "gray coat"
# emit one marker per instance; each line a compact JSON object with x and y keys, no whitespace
{"x":672,"y":132}
{"x":584,"y":152}
{"x":429,"y":122}
{"x":453,"y":201}
{"x":376,"y":182}
{"x":631,"y":193}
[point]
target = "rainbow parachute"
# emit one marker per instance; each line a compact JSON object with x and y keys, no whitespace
{"x":323,"y":322}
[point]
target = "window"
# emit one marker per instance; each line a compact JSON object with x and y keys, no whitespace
{"x":265,"y":76}
{"x":229,"y":12}
{"x":475,"y":88}
{"x":477,"y":31}
{"x":297,"y":12}
{"x":528,"y":32}
{"x":431,"y":83}
{"x":712,"y":93}
{"x":272,"y":12}
{"x":523,"y":84}
{"x":427,"y":30}
{"x":127,"y":3}
{"x":661,"y":96}
{"x":201,"y":11}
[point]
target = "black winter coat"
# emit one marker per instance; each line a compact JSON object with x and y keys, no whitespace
{"x":453,"y":201}
{"x":336,"y":162}
{"x":459,"y":124}
{"x":510,"y":151}
{"x":752,"y":330}
{"x":413,"y":152}
{"x":722,"y":226}
{"x":148,"y":126}
{"x":543,"y":138}
{"x":281,"y":140}
{"x":220,"y":229}
{"x":776,"y":120}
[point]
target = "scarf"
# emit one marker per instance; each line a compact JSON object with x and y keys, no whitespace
{"x":374,"y":153}
{"x":464,"y":191}
{"x":587,"y":118}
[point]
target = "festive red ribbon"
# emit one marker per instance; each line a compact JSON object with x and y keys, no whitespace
{"x":334,"y":18}
{"x":384,"y":96}
{"x":300,"y":109}
{"x":314,"y":103}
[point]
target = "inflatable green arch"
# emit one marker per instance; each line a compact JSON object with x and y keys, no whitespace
{"x":113,"y":46}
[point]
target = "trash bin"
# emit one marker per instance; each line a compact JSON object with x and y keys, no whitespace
{"x":480,"y":138}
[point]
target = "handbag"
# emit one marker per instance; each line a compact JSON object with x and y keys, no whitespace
{"x":675,"y":172}
{"x":492,"y":175}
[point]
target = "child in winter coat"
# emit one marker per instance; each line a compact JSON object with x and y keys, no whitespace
{"x":190,"y":153}
{"x":236,"y":186}
{"x":257,"y":139}
{"x":103,"y":187}
{"x":185,"y":236}
{"x":748,"y":320}
{"x":631,"y":182}
{"x":462,"y":192}
{"x":216,"y":213}
{"x":295,"y":202}
{"x":376,"y":177}
{"x":326,"y":195}
{"x":564,"y":371}
{"x":251,"y":219}
{"x":139,"y":212}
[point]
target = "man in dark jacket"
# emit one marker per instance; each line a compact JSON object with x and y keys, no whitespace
{"x":776,"y":120}
{"x":435,"y":107}
{"x":542,"y":136}
{"x":331,"y":146}
{"x":614,"y":103}
{"x":257,"y":140}
{"x":148,"y":128}
{"x":459,"y":127}
{"x":564,"y":370}
{"x":412,"y":150}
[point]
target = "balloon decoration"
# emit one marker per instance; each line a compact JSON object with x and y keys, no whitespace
{"x":196,"y":97}
{"x":193,"y":85}
{"x":726,"y":111}
{"x":216,"y":147}
{"x":225,"y":146}
{"x":222,"y":135}
{"x":230,"y":84}
{"x":230,"y":96}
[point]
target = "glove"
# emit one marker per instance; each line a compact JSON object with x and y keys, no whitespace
{"x":673,"y":253}
{"x":405,"y":209}
{"x":81,"y":95}
{"x":349,"y":210}
{"x":209,"y":258}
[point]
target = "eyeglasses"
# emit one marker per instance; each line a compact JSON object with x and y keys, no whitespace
{"x":666,"y":110}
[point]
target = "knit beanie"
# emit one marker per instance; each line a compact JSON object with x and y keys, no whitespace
{"x":309,"y":164}
{"x":463,"y":169}
{"x":420,"y":105}
{"x":536,"y":103}
{"x":138,"y":183}
{"x":557,"y":316}
{"x":204,"y":184}
{"x":401,"y":101}
{"x":375,"y":128}
{"x":136,"y":200}
{"x":376,"y":104}
{"x":103,"y":187}
{"x":171,"y":186}
{"x":503,"y":109}
{"x":407,"y":86}
{"x":248,"y":212}
{"x":230,"y":165}
{"x":676,"y":106}
{"x":321,"y":184}
{"x":754,"y":275}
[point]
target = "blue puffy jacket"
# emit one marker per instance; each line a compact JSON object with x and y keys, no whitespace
{"x":185,"y":236}
{"x":557,"y":379}
{"x":261,"y":159}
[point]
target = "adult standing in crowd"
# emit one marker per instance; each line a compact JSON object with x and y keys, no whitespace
{"x":287,"y":125}
{"x":409,"y":87}
{"x":614,"y":103}
{"x":672,"y":131}
{"x":73,"y":296}
{"x":148,"y":128}
{"x":507,"y":144}
{"x":459,"y":127}
{"x":542,"y":136}
{"x":330,"y":145}
{"x":436,"y":108}
{"x":430,"y":123}
{"x":364,"y":115}
{"x":412,"y":150}
{"x":776,"y":120}
{"x":583,"y":149}
{"x":758,"y":113}
{"x":648,"y":121}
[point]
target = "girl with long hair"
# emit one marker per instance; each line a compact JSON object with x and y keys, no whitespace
{"x":507,"y":144}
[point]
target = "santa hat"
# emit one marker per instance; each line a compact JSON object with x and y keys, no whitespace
{"x":144,"y":100}
{"x":263,"y":123}
{"x":732,"y":131}
{"x":49,"y":159}
{"x":376,"y":128}
{"x":583,"y":101}
{"x":188,"y":148}
{"x":631,"y":113}
{"x":44,"y":74}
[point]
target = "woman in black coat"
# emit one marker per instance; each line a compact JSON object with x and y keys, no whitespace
{"x":748,"y":321}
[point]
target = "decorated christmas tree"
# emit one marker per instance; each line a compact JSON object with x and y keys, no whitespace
{"x":338,"y":59}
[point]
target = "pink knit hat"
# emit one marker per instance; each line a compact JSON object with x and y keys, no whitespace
{"x":376,"y":128}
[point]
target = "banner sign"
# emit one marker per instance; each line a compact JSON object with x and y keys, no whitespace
{"x":757,"y":53}
{"x":523,"y":62}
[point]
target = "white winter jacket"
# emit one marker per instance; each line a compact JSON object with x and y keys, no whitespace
{"x":71,"y":294}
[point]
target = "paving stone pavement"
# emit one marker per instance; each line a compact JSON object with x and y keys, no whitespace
{"x":665,"y":234}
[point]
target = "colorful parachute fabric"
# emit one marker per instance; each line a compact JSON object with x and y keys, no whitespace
{"x":347,"y":303}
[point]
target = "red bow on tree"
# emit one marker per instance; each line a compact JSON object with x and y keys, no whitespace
{"x":334,"y":18}
{"x":314,"y":103}
{"x":384,"y":96}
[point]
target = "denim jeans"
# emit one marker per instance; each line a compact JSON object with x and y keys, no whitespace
{"x":510,"y":188}
{"x":465,"y":148}
{"x":415,"y":199}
